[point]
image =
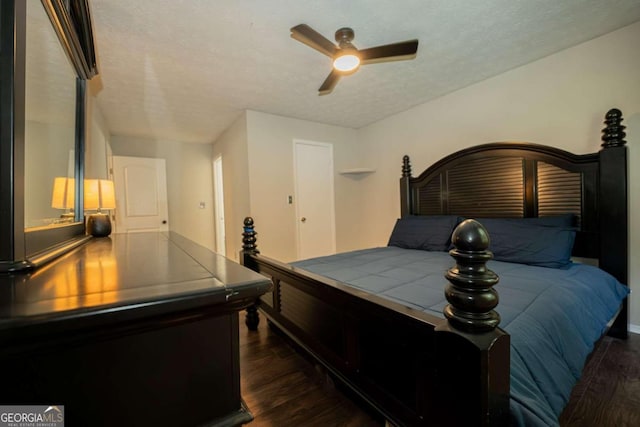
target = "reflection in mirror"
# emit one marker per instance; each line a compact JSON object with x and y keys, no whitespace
{"x":49,"y":122}
{"x":65,"y":288}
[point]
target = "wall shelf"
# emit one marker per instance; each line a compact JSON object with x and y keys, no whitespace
{"x":356,"y":171}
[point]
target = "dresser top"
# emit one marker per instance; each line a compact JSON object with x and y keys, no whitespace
{"x":123,"y":276}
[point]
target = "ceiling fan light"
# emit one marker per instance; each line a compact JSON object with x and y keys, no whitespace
{"x":346,"y":62}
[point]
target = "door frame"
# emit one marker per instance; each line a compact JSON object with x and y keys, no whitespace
{"x":296,"y":142}
{"x":218,"y":209}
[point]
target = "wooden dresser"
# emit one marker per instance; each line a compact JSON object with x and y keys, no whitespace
{"x":128,"y":330}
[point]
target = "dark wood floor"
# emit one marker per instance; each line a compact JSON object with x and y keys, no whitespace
{"x":282,"y":388}
{"x":608,"y":393}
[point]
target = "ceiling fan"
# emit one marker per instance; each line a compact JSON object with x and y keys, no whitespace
{"x":346,"y":58}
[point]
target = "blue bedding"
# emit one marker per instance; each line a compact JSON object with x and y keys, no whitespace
{"x":554,"y":316}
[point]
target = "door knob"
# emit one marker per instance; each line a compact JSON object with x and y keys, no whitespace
{"x":303,"y":219}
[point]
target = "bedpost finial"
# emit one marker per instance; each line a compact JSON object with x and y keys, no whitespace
{"x":613,"y":134}
{"x":406,"y":167}
{"x":470,"y":289}
{"x":249,"y":237}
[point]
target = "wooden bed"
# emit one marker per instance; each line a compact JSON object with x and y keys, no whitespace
{"x":418,"y":369}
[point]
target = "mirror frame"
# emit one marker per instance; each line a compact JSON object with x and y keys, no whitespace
{"x":23,"y":250}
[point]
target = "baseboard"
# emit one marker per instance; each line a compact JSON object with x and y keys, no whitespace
{"x":634,"y":329}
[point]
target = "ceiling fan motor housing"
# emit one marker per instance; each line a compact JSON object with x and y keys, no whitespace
{"x":344,"y":37}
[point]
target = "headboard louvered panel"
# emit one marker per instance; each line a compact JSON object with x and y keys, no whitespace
{"x":455,"y":191}
{"x":430,"y":200}
{"x":501,"y":177}
{"x":559,"y":191}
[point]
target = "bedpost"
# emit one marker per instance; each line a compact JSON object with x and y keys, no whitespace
{"x":470,"y":289}
{"x":472,"y":353}
{"x":614,"y":218}
{"x":249,"y":247}
{"x":406,"y":204}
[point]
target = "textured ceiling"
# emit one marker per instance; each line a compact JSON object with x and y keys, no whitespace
{"x":185,"y":69}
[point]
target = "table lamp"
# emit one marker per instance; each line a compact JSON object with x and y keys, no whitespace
{"x":99,"y":195}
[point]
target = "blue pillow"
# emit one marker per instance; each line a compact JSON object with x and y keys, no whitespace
{"x":563,"y":221}
{"x":526,"y":241}
{"x":425,"y":232}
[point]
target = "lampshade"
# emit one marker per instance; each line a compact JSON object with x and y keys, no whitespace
{"x":99,"y":194}
{"x":107,"y":194}
{"x":63,"y":193}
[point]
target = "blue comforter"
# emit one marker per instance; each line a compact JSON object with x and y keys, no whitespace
{"x":554,"y":316}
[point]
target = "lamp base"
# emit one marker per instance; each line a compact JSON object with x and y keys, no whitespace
{"x":99,"y":225}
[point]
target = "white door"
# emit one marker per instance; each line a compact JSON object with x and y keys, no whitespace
{"x":313,"y":168}
{"x":141,"y":194}
{"x":218,"y":189}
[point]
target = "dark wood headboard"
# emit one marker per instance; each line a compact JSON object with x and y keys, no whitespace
{"x":521,"y":180}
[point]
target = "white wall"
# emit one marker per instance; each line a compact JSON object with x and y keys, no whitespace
{"x":271,"y":180}
{"x":48,"y":154}
{"x":97,"y":143}
{"x":559,"y":100}
{"x":232,"y":146}
{"x":189,"y":182}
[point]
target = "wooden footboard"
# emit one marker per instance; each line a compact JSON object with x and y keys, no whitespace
{"x":414,"y":368}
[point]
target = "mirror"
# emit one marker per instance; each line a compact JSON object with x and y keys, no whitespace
{"x":50,"y":124}
{"x":31,"y":231}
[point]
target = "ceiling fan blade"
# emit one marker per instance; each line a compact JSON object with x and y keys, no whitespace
{"x":329,"y":83}
{"x":389,"y":52}
{"x":307,"y":35}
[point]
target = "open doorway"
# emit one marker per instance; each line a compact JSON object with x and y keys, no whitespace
{"x":218,"y":194}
